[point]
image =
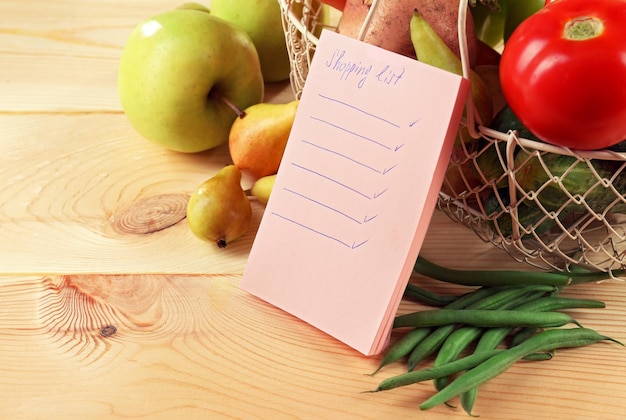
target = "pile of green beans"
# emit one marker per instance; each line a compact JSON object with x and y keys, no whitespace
{"x":478,"y":335}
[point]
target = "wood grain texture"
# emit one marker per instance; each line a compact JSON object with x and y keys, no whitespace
{"x":110,"y":308}
{"x":198,"y":346}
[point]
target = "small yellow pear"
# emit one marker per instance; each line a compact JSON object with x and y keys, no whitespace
{"x":262,"y":188}
{"x":257,"y":140}
{"x":219,"y":210}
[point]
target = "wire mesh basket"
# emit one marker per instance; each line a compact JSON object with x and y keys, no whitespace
{"x":549,"y":206}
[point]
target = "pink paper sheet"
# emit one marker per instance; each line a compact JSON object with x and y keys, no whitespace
{"x":355,"y":190}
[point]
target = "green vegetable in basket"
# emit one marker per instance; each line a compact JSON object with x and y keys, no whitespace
{"x":517,"y":11}
{"x":495,"y":20}
{"x":461,"y":177}
{"x":489,"y":17}
{"x":570,"y":183}
{"x":431,"y":49}
{"x":506,"y":120}
{"x":491,"y":158}
{"x":530,"y":218}
{"x":491,"y":163}
{"x":619,"y":147}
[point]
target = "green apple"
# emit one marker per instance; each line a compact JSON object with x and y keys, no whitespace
{"x":262,"y":20}
{"x":184,"y":75}
{"x":194,"y":6}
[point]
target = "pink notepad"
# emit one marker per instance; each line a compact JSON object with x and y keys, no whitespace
{"x":355,"y":190}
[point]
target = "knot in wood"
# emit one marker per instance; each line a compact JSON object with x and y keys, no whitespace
{"x":108,"y":331}
{"x":152,"y":214}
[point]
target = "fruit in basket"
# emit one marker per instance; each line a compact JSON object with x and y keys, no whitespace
{"x":262,"y":188}
{"x":257,"y":141}
{"x":571,"y":183}
{"x":490,"y":76}
{"x":443,"y":17}
{"x":486,"y":55}
{"x":563,"y":70}
{"x":430,"y":49}
{"x":262,"y":20}
{"x":181,"y":73}
{"x":389,"y":25}
{"x":219,"y":210}
{"x":495,"y":20}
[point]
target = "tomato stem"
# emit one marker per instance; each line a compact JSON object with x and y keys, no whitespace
{"x":583,"y":28}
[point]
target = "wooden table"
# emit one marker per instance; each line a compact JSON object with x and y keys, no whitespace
{"x":92,"y":236}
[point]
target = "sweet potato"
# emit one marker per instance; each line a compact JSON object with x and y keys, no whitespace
{"x":443,"y":16}
{"x":389,"y":27}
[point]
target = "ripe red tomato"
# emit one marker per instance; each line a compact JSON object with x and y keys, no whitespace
{"x":563,"y":73}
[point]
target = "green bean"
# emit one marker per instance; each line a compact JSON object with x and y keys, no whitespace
{"x":483,"y":318}
{"x":471,"y":298}
{"x":452,"y":347}
{"x":524,"y":298}
{"x":433,"y":341}
{"x":447,"y":369}
{"x":488,"y":298}
{"x":523,"y":334}
{"x":406,"y":346}
{"x":458,"y":341}
{"x":496,"y":365}
{"x":429,"y":345}
{"x":427,"y":297}
{"x":492,"y":337}
{"x":555,"y":303}
{"x":403,"y":346}
{"x":504,"y":296}
{"x":489,"y":341}
{"x":539,"y":356}
{"x":508,"y":277}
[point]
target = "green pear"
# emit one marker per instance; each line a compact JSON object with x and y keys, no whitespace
{"x":184,"y":76}
{"x":262,"y":188}
{"x":257,"y":140}
{"x":219,"y":211}
{"x":262,"y":20}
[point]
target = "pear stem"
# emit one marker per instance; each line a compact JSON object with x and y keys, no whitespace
{"x":240,"y":113}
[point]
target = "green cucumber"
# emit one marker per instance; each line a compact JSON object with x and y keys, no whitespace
{"x":506,"y":120}
{"x":528,"y":215}
{"x":569,"y":173}
{"x":490,"y":164}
